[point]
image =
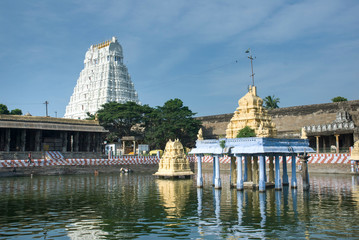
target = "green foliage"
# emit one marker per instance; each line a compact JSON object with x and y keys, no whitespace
{"x":122,"y":119}
{"x":246,"y":132}
{"x":3,"y":109}
{"x":90,"y":116}
{"x":339,"y":99}
{"x":222,"y":144}
{"x":271,"y":102}
{"x":16,"y":111}
{"x":171,"y":121}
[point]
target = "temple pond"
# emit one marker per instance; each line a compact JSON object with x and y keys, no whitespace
{"x":139,"y":206}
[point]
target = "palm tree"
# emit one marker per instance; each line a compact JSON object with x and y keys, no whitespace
{"x":271,"y":102}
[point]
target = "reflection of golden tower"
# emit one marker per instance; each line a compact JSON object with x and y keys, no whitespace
{"x":174,"y":195}
{"x":174,"y":162}
{"x":251,"y":113}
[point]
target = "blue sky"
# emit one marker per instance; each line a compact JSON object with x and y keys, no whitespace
{"x":307,"y":52}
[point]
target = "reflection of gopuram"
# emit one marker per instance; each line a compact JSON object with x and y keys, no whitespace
{"x":174,"y":195}
{"x":174,"y":162}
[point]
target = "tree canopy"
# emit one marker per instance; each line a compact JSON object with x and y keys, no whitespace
{"x":271,"y":102}
{"x":156,"y":125}
{"x":122,"y":119}
{"x":16,"y":111}
{"x":171,"y":121}
{"x":5,"y":110}
{"x":339,"y":99}
{"x":246,"y":132}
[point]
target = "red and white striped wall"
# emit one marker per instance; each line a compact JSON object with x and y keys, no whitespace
{"x":340,"y":158}
{"x":56,"y":160}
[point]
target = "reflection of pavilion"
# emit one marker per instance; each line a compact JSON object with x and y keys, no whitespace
{"x":174,"y":195}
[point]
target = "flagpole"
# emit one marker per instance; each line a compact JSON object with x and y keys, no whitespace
{"x":251,"y":58}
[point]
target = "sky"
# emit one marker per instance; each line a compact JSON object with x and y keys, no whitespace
{"x":306,"y":52}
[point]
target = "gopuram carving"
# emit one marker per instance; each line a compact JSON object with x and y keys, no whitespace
{"x":251,"y":113}
{"x":174,"y":162}
{"x":343,"y":121}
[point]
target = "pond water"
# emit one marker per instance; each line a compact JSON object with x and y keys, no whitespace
{"x":139,"y":206}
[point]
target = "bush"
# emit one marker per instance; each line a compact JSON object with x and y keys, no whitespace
{"x":246,"y":132}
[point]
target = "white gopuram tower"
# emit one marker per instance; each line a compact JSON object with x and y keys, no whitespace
{"x":104,"y":79}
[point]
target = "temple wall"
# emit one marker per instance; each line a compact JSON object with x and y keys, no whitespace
{"x":290,"y":120}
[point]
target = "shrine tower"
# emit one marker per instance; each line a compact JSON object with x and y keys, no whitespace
{"x":104,"y":79}
{"x":251,"y":113}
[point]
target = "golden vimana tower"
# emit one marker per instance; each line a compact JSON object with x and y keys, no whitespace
{"x":174,"y":162}
{"x":251,"y":113}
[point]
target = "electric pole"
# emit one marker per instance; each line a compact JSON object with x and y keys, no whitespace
{"x":46,"y":103}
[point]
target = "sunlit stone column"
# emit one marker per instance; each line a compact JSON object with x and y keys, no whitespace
{"x":22,"y":140}
{"x":278,"y":185}
{"x":245,"y":170}
{"x":271,"y":169}
{"x":88,"y":142}
{"x":123,"y":147}
{"x":294,"y":173}
{"x":7,"y":139}
{"x":217,"y":180}
{"x":233,"y":171}
{"x":255,"y":170}
{"x":262,"y":183}
{"x":317,"y":141}
{"x":76,"y":142}
{"x":250,"y":171}
{"x":64,"y":141}
{"x":199,"y":171}
{"x":285,"y":172}
{"x":239,"y":173}
{"x":38,"y":140}
{"x":337,"y":142}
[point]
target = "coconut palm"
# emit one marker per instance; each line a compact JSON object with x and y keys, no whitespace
{"x":271,"y":102}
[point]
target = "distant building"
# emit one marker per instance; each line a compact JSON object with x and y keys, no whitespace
{"x":104,"y":79}
{"x":36,"y":134}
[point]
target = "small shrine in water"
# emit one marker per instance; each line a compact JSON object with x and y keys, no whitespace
{"x":251,"y":152}
{"x":174,"y":163}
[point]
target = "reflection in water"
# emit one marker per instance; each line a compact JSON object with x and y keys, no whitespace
{"x":174,"y":195}
{"x":139,"y":206}
{"x":262,"y":207}
{"x":217,"y":204}
{"x":240,"y":206}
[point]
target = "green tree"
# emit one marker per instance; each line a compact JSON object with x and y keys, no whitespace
{"x":90,"y":116}
{"x":246,"y":132}
{"x":271,"y":102}
{"x":123,"y":119}
{"x":171,"y":121}
{"x":3,"y":109}
{"x":16,"y":111}
{"x":339,"y":99}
